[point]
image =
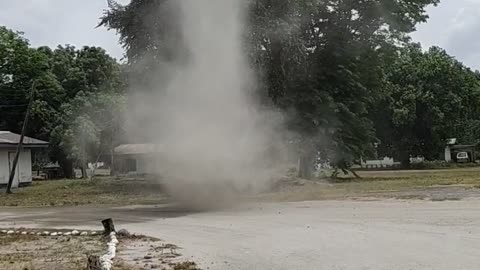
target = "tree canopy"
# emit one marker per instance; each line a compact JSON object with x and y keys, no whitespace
{"x":345,"y":74}
{"x":75,"y":90}
{"x":321,"y":62}
{"x":431,"y":97}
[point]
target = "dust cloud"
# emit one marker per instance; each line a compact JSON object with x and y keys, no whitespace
{"x":215,"y":140}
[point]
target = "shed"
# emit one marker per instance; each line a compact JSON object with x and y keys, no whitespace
{"x":136,"y":158}
{"x":452,"y":148}
{"x":8,"y":146}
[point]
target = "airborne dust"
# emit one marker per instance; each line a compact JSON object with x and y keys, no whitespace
{"x":215,"y":140}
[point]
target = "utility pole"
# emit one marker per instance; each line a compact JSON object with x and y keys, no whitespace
{"x":20,"y":143}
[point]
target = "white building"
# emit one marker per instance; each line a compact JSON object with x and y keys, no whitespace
{"x":8,"y":146}
{"x":137,"y":158}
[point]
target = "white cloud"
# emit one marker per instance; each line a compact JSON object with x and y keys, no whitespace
{"x":453,"y":25}
{"x":54,"y":22}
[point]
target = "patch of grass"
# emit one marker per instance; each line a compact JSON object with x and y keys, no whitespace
{"x":111,"y":191}
{"x":8,"y":239}
{"x":80,"y":192}
{"x":378,"y":184}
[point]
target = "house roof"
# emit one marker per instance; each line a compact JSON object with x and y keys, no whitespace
{"x":9,"y":139}
{"x":135,"y":149}
{"x":452,"y":141}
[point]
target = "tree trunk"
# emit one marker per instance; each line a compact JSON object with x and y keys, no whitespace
{"x":112,"y":162}
{"x":84,"y":159}
{"x":405,"y":160}
{"x":84,"y":172}
{"x":355,"y":174}
{"x":67,"y":166}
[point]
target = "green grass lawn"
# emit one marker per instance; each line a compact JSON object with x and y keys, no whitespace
{"x":110,"y":191}
{"x":379,"y":184}
{"x":105,"y":190}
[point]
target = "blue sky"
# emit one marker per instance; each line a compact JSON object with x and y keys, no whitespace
{"x":454,"y":25}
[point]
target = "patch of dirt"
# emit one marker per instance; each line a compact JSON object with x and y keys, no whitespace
{"x":434,"y":188}
{"x":39,"y":252}
{"x":150,"y":253}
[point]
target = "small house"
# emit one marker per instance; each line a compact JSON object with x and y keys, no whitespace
{"x":136,"y":158}
{"x":8,"y":147}
{"x":453,"y":148}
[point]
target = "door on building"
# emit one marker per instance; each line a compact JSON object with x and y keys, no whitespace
{"x":11,"y":157}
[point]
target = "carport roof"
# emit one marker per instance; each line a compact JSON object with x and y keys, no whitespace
{"x":458,"y":146}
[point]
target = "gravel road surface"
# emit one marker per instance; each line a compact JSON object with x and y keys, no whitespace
{"x":356,"y":235}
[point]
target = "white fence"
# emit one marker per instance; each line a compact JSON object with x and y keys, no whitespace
{"x":388,"y":162}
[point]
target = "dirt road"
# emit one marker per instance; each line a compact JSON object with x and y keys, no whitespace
{"x":309,"y":235}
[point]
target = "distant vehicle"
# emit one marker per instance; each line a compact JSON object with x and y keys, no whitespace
{"x":462,"y":157}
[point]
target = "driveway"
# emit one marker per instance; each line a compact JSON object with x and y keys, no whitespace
{"x":326,"y":235}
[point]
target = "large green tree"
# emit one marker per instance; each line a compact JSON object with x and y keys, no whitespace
{"x":324,"y":61}
{"x":92,"y":83}
{"x":431,"y":97}
{"x":20,"y":67}
{"x":89,"y":126}
{"x":319,"y":61}
{"x":69,"y":84}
